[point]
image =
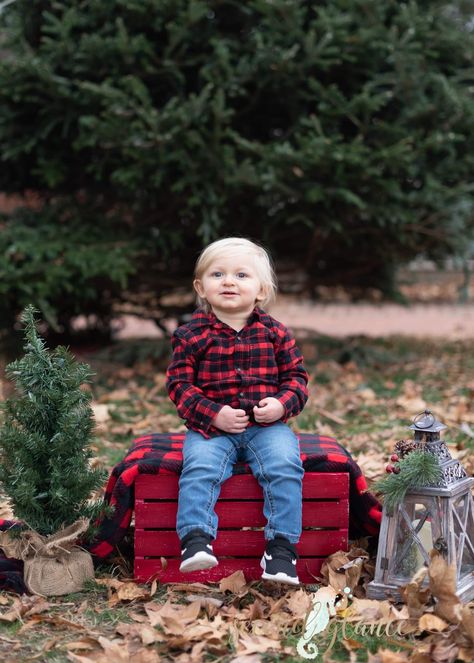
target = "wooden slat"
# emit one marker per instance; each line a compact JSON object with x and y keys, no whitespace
{"x":242,"y":514}
{"x":315,"y":485}
{"x":239,"y":543}
{"x":147,"y":569}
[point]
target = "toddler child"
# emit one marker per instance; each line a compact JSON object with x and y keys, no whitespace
{"x":236,"y":376}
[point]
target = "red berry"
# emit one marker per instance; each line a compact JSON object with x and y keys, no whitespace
{"x":394,"y":458}
{"x":396,"y":469}
{"x":389,"y":469}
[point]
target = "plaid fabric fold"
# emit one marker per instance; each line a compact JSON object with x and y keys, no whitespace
{"x":161,"y":454}
{"x":11,"y":570}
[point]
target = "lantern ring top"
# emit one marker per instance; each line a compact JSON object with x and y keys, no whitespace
{"x":427,"y":422}
{"x":424,"y":419}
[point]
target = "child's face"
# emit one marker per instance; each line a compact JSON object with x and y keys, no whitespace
{"x":230,"y":285}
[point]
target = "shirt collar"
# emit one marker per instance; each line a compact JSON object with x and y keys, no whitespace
{"x":203,"y":318}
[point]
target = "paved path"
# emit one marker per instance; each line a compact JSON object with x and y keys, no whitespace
{"x":450,"y":321}
{"x":422,"y":320}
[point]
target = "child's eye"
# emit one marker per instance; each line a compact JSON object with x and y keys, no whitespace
{"x":217,"y":274}
{"x":241,"y":275}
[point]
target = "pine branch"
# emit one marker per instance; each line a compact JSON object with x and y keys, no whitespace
{"x":419,"y":468}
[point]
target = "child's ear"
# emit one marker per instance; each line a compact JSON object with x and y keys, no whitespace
{"x":198,"y":288}
{"x":261,"y":295}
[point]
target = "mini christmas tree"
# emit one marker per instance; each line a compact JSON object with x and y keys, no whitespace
{"x":45,"y":438}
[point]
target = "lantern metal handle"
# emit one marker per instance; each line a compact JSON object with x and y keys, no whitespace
{"x":428,"y":418}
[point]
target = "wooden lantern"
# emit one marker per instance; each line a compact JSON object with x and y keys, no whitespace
{"x":437,"y":516}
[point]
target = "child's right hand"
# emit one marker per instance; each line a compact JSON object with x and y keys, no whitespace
{"x":231,"y":420}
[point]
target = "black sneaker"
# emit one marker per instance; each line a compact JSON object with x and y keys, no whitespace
{"x":279,"y":561}
{"x":196,"y":552}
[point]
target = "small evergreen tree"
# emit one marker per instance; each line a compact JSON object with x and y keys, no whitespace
{"x":45,"y":436}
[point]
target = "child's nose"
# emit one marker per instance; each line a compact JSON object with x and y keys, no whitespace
{"x":228,"y":278}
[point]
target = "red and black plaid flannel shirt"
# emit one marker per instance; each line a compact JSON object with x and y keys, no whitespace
{"x":214,"y":365}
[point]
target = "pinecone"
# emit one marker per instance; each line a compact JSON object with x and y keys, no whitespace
{"x":403,"y":447}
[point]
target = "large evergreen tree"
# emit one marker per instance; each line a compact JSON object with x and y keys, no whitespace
{"x":45,"y":438}
{"x":340,"y":132}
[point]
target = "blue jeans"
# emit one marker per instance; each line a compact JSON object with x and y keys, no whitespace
{"x":272,"y":453}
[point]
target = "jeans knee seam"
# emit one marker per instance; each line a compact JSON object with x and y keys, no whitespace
{"x":215,"y":483}
{"x":266,"y":488}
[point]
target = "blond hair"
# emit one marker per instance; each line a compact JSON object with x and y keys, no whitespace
{"x":236,"y":245}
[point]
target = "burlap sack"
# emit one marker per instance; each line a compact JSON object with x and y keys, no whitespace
{"x":54,"y":565}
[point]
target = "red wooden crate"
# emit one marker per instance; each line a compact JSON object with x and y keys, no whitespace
{"x":240,"y":505}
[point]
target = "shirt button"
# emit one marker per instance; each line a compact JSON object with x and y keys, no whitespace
{"x":241,"y":394}
{"x":238,"y":369}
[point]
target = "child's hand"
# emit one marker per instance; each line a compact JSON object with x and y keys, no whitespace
{"x":268,"y":410}
{"x":231,"y":420}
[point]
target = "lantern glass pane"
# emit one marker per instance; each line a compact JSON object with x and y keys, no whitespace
{"x":463,"y":525}
{"x":414,"y":535}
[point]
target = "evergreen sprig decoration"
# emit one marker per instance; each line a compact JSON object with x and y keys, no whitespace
{"x":418,"y":468}
{"x":45,"y":437}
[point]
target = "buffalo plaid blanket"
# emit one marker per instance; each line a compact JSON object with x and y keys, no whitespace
{"x":162,"y":454}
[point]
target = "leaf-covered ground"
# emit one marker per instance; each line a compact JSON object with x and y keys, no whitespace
{"x":365,"y":393}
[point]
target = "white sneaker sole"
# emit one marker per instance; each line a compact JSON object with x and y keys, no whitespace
{"x":198,"y":562}
{"x":280,"y":577}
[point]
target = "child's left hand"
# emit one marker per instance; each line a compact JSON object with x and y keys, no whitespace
{"x":268,"y":410}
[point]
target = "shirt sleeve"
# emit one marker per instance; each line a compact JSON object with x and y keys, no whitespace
{"x":191,"y":404}
{"x":293,"y":377}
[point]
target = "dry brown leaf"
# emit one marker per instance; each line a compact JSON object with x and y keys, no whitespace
{"x":188,"y":587}
{"x":101,"y":412}
{"x":172,"y":615}
{"x":429,"y":622}
{"x":299,"y":603}
{"x":367,"y":394}
{"x":234,"y":583}
{"x":114,"y":650}
{"x":153,"y":587}
{"x":146,"y":633}
{"x":256,"y":644}
{"x":25,"y":606}
{"x":370,"y":610}
{"x":204,"y":600}
{"x":75,"y":658}
{"x":467,"y":616}
{"x":116,"y":395}
{"x":87,"y":642}
{"x":173,"y":626}
{"x":130,"y":591}
{"x":442,"y":580}
{"x":144,"y":656}
{"x":420,"y":657}
{"x":343,"y":569}
{"x":444,"y":652}
{"x":387,"y":656}
{"x":415,"y":598}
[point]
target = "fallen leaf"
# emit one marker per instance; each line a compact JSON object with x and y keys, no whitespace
{"x":429,"y":622}
{"x":131,"y":592}
{"x":101,"y":412}
{"x":415,"y":597}
{"x":114,"y":650}
{"x":234,"y":583}
{"x":444,"y":652}
{"x":299,"y":603}
{"x":442,"y":579}
{"x":84,"y":643}
{"x":256,"y":644}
